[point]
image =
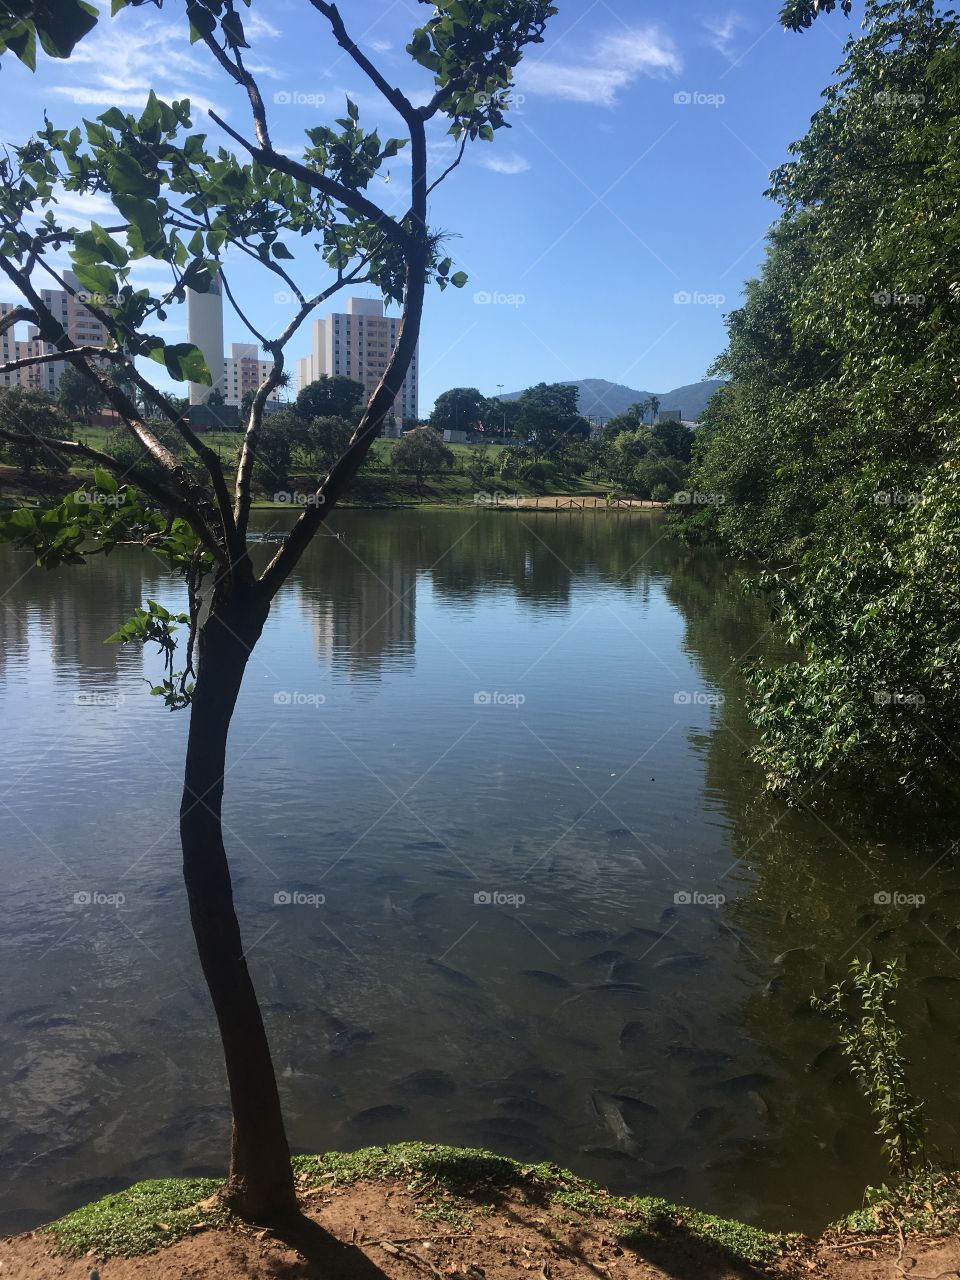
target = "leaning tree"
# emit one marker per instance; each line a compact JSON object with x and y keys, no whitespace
{"x":200,"y":207}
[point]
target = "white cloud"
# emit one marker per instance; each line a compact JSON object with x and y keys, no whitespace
{"x":123,"y":60}
{"x":381,"y":46}
{"x":614,"y":62}
{"x":721,"y":31}
{"x":505,"y":164}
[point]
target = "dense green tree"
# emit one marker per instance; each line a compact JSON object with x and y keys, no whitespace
{"x":460,"y":409}
{"x":77,"y":396}
{"x":331,"y":397}
{"x":181,"y":203}
{"x":422,"y":453}
{"x":831,"y":451}
{"x":547,"y":414}
{"x":32,"y":417}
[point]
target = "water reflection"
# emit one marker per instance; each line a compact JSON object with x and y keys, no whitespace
{"x":448,"y":707}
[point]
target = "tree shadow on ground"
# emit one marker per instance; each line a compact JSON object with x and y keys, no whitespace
{"x":321,"y":1254}
{"x":684,"y":1256}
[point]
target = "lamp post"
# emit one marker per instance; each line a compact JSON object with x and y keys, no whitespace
{"x":500,"y":397}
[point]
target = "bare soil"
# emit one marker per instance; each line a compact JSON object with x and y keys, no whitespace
{"x":379,"y":1231}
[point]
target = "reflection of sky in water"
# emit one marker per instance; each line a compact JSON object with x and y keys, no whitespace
{"x":362,"y":767}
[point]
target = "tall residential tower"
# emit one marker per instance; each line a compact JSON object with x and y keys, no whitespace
{"x":358,"y":344}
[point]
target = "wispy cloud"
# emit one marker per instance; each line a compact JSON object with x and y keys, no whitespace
{"x":613,"y":63}
{"x":505,"y":164}
{"x":122,"y":60}
{"x":721,"y":31}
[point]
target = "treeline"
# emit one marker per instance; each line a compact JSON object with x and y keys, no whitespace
{"x":831,"y":454}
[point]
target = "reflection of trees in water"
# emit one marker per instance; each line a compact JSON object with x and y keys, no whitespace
{"x":73,"y":613}
{"x":801,"y":897}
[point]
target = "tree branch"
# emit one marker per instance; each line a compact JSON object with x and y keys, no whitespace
{"x":319,"y":182}
{"x":166,"y":497}
{"x":398,"y":100}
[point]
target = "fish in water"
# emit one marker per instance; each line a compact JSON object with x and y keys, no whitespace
{"x":429,"y":1083}
{"x":533,"y":1077}
{"x":744,"y":1084}
{"x":794,"y":955}
{"x":682,"y":960}
{"x":690,"y":1053}
{"x":603,"y":959}
{"x":453,"y":975}
{"x":635,"y":935}
{"x":633,"y":1033}
{"x":609,"y":1114}
{"x":548,"y":979}
{"x":524,"y":1104}
{"x":705,"y":1117}
{"x":379,"y":1115}
{"x":617,"y":987}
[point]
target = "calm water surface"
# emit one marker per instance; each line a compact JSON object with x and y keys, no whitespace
{"x":559,"y":919}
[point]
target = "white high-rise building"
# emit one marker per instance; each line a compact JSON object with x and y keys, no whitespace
{"x":244,"y":371}
{"x":81,"y":325}
{"x":205,"y":330}
{"x":358,"y":344}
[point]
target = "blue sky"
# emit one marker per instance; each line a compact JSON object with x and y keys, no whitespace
{"x":579,"y":226}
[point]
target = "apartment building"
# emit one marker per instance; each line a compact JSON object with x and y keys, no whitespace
{"x":358,"y":344}
{"x":81,"y":325}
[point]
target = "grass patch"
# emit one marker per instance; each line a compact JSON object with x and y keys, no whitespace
{"x":450,"y":1185}
{"x":140,"y":1220}
{"x":479,"y":1175}
{"x":927,"y":1204}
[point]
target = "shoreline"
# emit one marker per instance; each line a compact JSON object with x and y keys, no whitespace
{"x":420,"y":1208}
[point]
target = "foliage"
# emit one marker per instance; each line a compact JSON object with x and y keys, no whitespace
{"x":422,"y":453}
{"x":797,"y":15}
{"x":33,"y":415}
{"x":831,"y":452}
{"x":460,"y":409}
{"x":864,"y":1008}
{"x":927,"y":1203}
{"x":77,"y":396}
{"x":331,"y":397}
{"x":144,"y":1218}
{"x":547,"y":415}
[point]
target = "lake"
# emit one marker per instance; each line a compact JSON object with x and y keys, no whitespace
{"x":505,"y":874}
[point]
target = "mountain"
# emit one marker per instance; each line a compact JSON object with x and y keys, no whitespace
{"x":602,"y":399}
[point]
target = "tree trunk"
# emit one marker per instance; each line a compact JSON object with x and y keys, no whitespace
{"x":260,"y":1185}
